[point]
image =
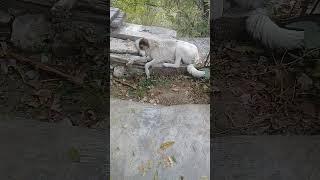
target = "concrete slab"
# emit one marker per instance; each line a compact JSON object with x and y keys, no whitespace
{"x":37,"y":150}
{"x":266,"y":158}
{"x":138,"y":130}
{"x":135,"y":31}
{"x":122,"y":46}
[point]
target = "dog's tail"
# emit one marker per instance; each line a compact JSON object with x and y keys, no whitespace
{"x":195,"y":72}
{"x":192,"y":69}
{"x":262,"y":28}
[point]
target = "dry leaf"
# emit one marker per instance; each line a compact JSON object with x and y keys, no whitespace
{"x":175,"y":89}
{"x":155,"y":176}
{"x":33,"y":104}
{"x":142,"y":170}
{"x":166,"y":145}
{"x":204,"y":178}
{"x":168,"y":162}
{"x":149,"y":164}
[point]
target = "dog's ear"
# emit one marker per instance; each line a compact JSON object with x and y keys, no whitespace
{"x":144,"y":43}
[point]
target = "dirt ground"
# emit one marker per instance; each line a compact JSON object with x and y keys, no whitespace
{"x":258,"y":92}
{"x":163,"y":90}
{"x":27,"y":91}
{"x":255,"y":91}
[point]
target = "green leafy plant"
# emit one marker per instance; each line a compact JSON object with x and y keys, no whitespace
{"x":187,"y":17}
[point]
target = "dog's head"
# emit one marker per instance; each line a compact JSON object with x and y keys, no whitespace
{"x":144,"y":44}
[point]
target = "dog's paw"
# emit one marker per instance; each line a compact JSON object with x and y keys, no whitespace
{"x":148,"y":74}
{"x":165,"y":65}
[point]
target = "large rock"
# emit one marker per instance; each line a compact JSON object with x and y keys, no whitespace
{"x":29,"y":32}
{"x":135,"y":31}
{"x":122,"y":46}
{"x":114,"y":12}
{"x":137,"y":131}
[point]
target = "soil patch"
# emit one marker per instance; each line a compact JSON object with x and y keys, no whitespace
{"x":258,"y":92}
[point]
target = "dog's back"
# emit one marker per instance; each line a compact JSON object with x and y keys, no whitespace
{"x":188,"y":52}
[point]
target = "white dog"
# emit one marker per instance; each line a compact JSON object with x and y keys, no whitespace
{"x":171,"y":53}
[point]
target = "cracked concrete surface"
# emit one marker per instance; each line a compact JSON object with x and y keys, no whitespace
{"x":138,"y":130}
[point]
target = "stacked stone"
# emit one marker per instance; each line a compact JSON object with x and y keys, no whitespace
{"x":116,"y":18}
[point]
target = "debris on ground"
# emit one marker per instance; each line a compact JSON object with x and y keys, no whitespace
{"x":268,"y":93}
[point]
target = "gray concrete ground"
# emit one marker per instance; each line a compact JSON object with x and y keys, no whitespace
{"x":138,"y":130}
{"x":266,"y":158}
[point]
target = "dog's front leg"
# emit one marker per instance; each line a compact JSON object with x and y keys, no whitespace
{"x":176,"y":63}
{"x":142,"y":53}
{"x":148,"y":65}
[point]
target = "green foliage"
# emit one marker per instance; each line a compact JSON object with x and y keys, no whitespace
{"x":187,"y":17}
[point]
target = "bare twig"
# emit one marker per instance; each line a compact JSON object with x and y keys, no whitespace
{"x":315,"y":7}
{"x":304,"y":7}
{"x":294,"y":91}
{"x":124,"y":83}
{"x":297,"y":58}
{"x":292,"y":8}
{"x":283,"y":56}
{"x":18,"y":70}
{"x":44,"y":67}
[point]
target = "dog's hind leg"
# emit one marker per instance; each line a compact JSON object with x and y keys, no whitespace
{"x":177,"y":63}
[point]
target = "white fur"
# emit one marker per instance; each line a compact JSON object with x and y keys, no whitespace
{"x":172,"y":53}
{"x":262,"y":28}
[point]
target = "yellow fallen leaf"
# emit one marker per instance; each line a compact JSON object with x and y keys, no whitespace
{"x":168,"y":162}
{"x":204,"y":178}
{"x":155,"y":176}
{"x":166,"y":145}
{"x":149,"y":164}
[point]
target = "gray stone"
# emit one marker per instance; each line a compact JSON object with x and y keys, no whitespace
{"x":118,"y":21}
{"x":122,"y":46}
{"x":119,"y":71}
{"x":114,"y":13}
{"x":135,"y":31}
{"x":138,"y":130}
{"x":29,"y":32}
